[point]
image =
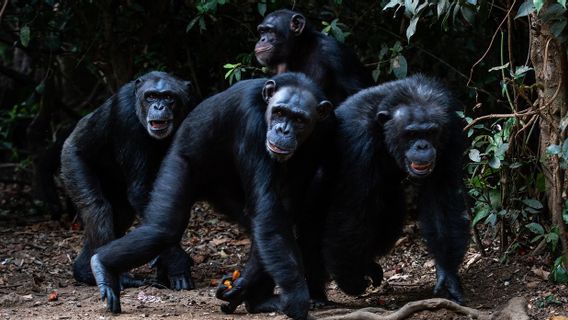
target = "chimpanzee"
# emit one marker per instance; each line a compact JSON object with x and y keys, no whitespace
{"x":405,"y":131}
{"x":250,"y":151}
{"x":288,"y":42}
{"x":110,"y":161}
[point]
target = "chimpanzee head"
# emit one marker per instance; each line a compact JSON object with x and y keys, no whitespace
{"x":162,"y":102}
{"x":415,"y":119}
{"x":278,"y":33}
{"x":295,"y":105}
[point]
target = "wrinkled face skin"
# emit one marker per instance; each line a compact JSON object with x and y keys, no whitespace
{"x":160,"y":104}
{"x":291,"y":116}
{"x":277,"y":33}
{"x":413,"y":138}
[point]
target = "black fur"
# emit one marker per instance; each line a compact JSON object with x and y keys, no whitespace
{"x":220,"y":154}
{"x":109,"y":163}
{"x":297,"y":46}
{"x":368,"y":206}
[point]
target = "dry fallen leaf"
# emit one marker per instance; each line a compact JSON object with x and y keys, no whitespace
{"x":539,"y":272}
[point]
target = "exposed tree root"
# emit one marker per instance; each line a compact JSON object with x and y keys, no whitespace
{"x":515,"y":309}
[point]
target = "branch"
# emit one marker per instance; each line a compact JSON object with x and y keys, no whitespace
{"x":3,"y":9}
{"x":409,"y":309}
{"x":514,"y":309}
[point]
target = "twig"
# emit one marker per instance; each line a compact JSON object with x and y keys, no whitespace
{"x":491,"y":43}
{"x":3,"y":9}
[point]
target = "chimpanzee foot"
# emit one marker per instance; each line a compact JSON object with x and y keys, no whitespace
{"x":450,"y":282}
{"x":231,"y":289}
{"x":108,"y":283}
{"x":319,"y":303}
{"x":181,"y":281}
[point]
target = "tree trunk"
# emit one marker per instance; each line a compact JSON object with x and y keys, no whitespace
{"x":548,"y":56}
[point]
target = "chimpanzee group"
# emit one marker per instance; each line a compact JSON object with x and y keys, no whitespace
{"x":321,"y":189}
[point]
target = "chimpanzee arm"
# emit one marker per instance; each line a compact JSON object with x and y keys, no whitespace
{"x":271,"y":227}
{"x":445,"y":227}
{"x":165,"y":220}
{"x":79,"y":153}
{"x":272,"y":230}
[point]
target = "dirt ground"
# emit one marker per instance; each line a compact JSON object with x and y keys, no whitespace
{"x":36,"y":281}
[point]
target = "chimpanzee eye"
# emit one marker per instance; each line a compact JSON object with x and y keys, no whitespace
{"x":278,"y":113}
{"x":299,"y":120}
{"x":151,"y":97}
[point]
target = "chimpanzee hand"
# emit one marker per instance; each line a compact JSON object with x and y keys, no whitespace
{"x":108,"y":283}
{"x":231,"y":288}
{"x":449,"y":281}
{"x":127,"y":281}
{"x":375,"y":273}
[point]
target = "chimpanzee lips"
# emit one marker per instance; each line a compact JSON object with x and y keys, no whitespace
{"x":262,"y":49}
{"x":275,"y":149}
{"x":159,"y":124}
{"x":422,"y":168}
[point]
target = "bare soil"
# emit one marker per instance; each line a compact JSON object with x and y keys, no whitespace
{"x":36,"y":281}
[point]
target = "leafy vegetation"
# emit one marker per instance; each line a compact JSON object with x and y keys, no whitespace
{"x":61,"y":59}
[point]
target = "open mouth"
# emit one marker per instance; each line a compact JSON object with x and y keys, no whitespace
{"x":274,"y":149}
{"x":422,"y":168}
{"x":159,"y":124}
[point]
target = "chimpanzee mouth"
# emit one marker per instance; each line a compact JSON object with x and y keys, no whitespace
{"x":275,"y":149}
{"x":421,"y":168}
{"x":158,"y":125}
{"x":263,"y":49}
{"x":277,"y":152}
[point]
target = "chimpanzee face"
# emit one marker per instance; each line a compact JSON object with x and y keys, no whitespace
{"x":277,"y":33}
{"x":412,"y":135}
{"x":291,"y":116}
{"x":160,"y":104}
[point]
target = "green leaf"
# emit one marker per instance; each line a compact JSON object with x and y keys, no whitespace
{"x":562,"y":3}
{"x":261,"y":8}
{"x":535,"y":228}
{"x":192,"y":23}
{"x":25,"y":36}
{"x":411,"y":30}
{"x":553,"y":149}
{"x":525,"y":9}
{"x":538,"y":5}
{"x":521,"y":71}
{"x":494,"y":162}
{"x":399,"y":67}
{"x":480,"y":215}
{"x":557,"y":27}
{"x":533,"y":203}
{"x":442,"y":7}
{"x":392,"y":4}
{"x":376,"y":74}
{"x":474,"y":155}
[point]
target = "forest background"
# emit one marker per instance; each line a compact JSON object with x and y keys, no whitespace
{"x":505,"y":59}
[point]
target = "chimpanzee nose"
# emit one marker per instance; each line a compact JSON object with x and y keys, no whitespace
{"x":422,"y":145}
{"x":282,"y":129}
{"x":159,"y":107}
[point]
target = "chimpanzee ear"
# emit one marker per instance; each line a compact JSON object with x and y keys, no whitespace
{"x":324,"y":109}
{"x":382,"y":116}
{"x":297,"y":24}
{"x":188,"y":86}
{"x":268,"y":90}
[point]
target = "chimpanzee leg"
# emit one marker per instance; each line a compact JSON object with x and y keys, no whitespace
{"x":279,"y":253}
{"x":445,"y":227}
{"x":310,"y":242}
{"x":165,"y":220}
